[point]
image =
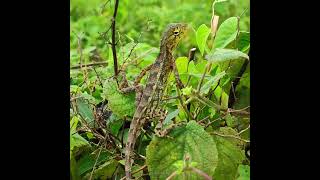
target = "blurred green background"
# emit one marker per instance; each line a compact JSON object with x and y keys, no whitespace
{"x":147,"y":16}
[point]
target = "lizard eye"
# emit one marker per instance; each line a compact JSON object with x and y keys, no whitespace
{"x":176,"y":33}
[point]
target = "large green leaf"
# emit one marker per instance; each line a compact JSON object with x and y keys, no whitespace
{"x":119,"y":103}
{"x":87,"y":162}
{"x":202,"y":36}
{"x":226,"y":33}
{"x":164,"y":153}
{"x":230,"y":156}
{"x":223,"y":55}
{"x":85,"y":110}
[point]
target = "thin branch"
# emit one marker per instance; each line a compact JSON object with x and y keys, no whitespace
{"x":204,"y":119}
{"x":74,"y":98}
{"x":89,"y":65}
{"x":95,"y":163}
{"x":85,"y":73}
{"x":182,"y":104}
{"x":201,"y":173}
{"x":169,"y":98}
{"x":206,"y":101}
{"x":203,"y":75}
{"x":113,"y":38}
{"x":215,"y":120}
{"x":244,"y":130}
{"x":235,"y":83}
{"x":101,"y":84}
{"x":231,"y":136}
{"x":172,"y":175}
{"x":103,"y":6}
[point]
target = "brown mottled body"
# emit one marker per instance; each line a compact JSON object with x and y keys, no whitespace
{"x":156,"y":83}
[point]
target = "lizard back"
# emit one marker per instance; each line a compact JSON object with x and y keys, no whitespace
{"x":155,"y":87}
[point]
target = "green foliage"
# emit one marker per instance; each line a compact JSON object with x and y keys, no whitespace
{"x":119,"y":103}
{"x":85,"y":111}
{"x":163,"y":153}
{"x":222,"y":55}
{"x":202,"y":35}
{"x":100,"y":113}
{"x":213,"y":79}
{"x":230,"y":156}
{"x":226,"y":33}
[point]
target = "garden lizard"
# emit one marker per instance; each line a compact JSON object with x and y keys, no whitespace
{"x":148,"y":102}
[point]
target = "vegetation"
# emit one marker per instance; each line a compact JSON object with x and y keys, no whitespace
{"x":213,"y":108}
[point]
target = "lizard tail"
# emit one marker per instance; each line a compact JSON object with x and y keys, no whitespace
{"x":133,"y":131}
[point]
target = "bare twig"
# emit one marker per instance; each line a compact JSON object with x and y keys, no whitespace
{"x":95,"y":163}
{"x":208,"y":66}
{"x":182,"y":104}
{"x":215,"y":120}
{"x":103,"y":6}
{"x":177,"y":76}
{"x":172,"y":175}
{"x":206,"y":101}
{"x":204,"y":119}
{"x":235,"y":83}
{"x":169,"y":98}
{"x":85,"y":73}
{"x":231,"y":136}
{"x":201,"y":173}
{"x":74,"y":98}
{"x":113,"y":38}
{"x":244,"y":130}
{"x":193,"y":169}
{"x":89,"y":65}
{"x":98,"y":77}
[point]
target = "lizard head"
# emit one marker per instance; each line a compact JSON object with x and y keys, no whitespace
{"x":173,"y":34}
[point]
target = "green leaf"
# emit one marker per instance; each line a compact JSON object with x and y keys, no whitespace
{"x":171,"y":115}
{"x":226,"y":33}
{"x":105,"y":171}
{"x":163,"y":153}
{"x":73,"y":124}
{"x":202,"y":35}
{"x":230,"y":156}
{"x":120,"y":104}
{"x":74,"y":172}
{"x":207,"y":86}
{"x":244,"y":41}
{"x":87,"y":162}
{"x":222,"y":55}
{"x":114,"y":125}
{"x":244,"y":172}
{"x":85,"y":111}
{"x":182,"y":64}
{"x":89,"y":97}
{"x":77,"y":141}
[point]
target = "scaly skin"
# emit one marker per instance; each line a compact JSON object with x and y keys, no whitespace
{"x":155,"y":86}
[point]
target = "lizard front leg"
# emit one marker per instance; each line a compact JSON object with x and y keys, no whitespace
{"x":142,"y":73}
